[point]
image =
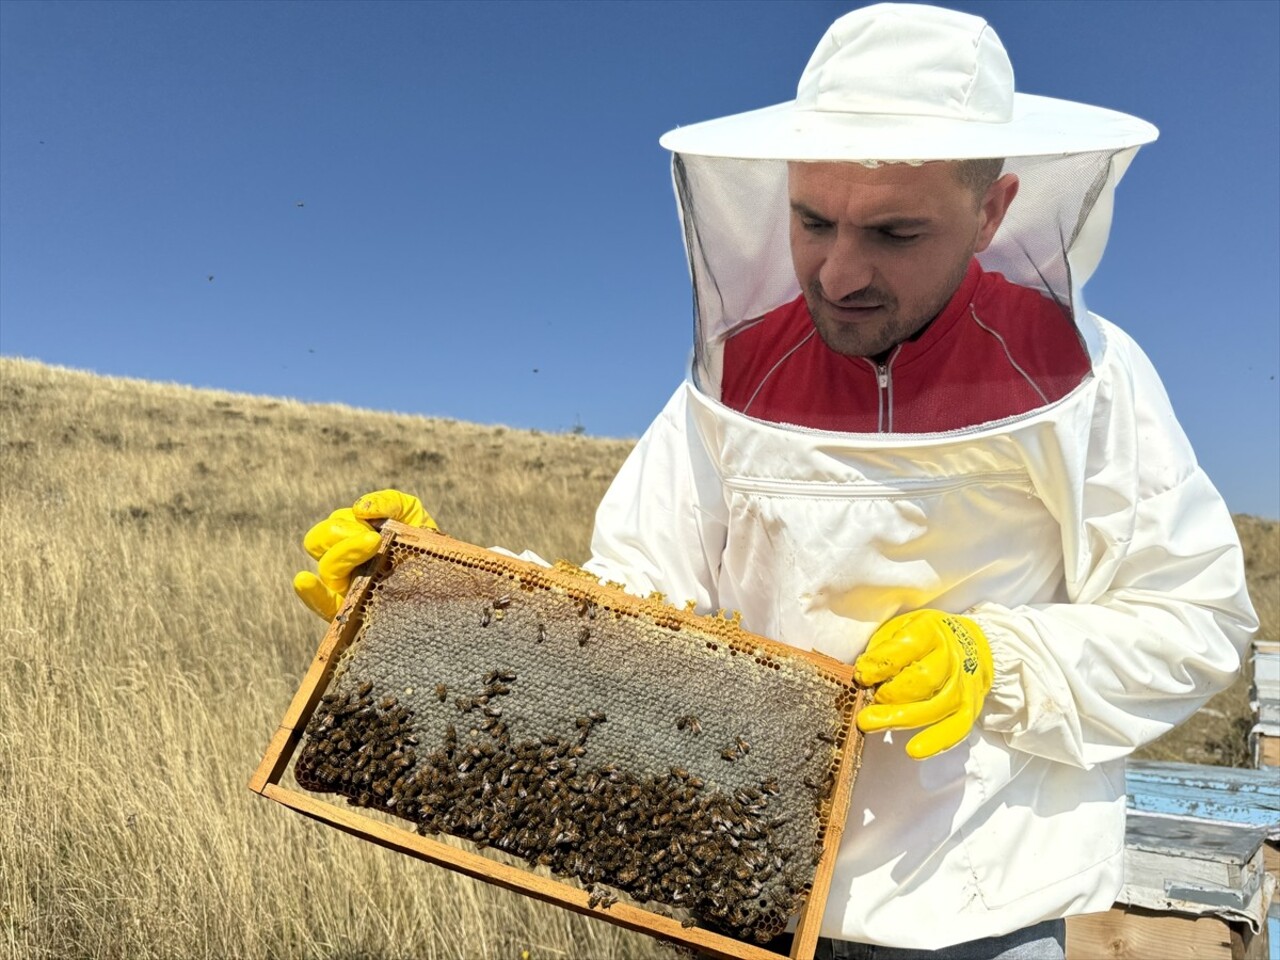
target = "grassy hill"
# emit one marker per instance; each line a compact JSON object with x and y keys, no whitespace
{"x":149,"y":643}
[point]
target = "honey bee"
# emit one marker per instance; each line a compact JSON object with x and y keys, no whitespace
{"x":689,"y":722}
{"x":542,"y":633}
{"x":502,"y":602}
{"x":486,"y":616}
{"x":584,"y":635}
{"x":442,"y":692}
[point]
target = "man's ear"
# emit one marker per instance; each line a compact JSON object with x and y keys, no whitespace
{"x":995,"y":204}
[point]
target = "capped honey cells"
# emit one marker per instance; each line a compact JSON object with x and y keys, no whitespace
{"x":665,"y":758}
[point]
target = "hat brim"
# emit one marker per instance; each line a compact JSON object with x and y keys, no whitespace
{"x":1039,"y":126}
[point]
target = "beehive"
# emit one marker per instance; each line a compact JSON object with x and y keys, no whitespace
{"x":645,"y":753}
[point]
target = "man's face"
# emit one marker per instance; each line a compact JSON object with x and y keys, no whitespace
{"x":879,"y":251}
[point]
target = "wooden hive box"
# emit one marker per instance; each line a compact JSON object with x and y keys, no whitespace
{"x":1199,"y":847}
{"x":616,"y":756}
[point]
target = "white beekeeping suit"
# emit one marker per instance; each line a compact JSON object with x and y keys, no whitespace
{"x":1081,"y":535}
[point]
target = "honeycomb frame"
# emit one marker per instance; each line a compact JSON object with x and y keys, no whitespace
{"x":580,"y":598}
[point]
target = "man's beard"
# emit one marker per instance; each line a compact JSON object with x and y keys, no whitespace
{"x":880,"y":334}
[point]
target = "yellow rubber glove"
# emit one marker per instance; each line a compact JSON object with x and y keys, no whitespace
{"x":934,"y":671}
{"x":345,"y":539}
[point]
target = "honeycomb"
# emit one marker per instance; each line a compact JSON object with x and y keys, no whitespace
{"x":641,"y":750}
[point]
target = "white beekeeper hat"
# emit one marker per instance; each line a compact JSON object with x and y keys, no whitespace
{"x":908,"y":82}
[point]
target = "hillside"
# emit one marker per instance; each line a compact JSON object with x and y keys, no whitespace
{"x":150,"y":643}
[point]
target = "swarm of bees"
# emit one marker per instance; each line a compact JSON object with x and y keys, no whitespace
{"x":639,"y":759}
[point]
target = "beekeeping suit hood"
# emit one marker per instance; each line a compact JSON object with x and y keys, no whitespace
{"x":895,"y":83}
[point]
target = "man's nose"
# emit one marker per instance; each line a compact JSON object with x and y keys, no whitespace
{"x":846,"y":268}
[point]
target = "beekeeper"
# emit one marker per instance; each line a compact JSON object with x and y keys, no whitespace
{"x":904,"y":441}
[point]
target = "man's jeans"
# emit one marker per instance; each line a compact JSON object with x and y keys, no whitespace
{"x":1043,"y":941}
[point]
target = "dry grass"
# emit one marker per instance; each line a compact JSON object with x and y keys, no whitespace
{"x":149,"y":643}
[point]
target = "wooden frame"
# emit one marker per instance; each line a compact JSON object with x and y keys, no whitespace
{"x":343,"y":630}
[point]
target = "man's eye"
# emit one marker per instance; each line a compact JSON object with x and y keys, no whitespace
{"x":894,"y":237}
{"x":814,"y":226}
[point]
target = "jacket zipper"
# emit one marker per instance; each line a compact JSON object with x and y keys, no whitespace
{"x":884,"y":392}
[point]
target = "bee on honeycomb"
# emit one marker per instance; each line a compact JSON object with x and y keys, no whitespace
{"x":636,"y":760}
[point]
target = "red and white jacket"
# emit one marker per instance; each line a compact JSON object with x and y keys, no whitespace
{"x":995,"y":351}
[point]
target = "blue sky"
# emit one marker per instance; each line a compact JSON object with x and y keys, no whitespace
{"x":461,"y":210}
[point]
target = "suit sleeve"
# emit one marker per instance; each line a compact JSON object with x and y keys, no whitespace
{"x":661,"y":525}
{"x":1159,"y":615}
